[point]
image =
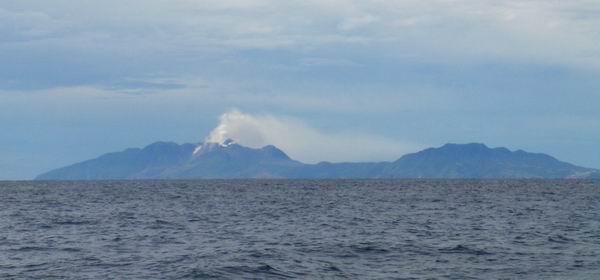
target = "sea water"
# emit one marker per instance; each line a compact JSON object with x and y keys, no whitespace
{"x":277,"y":229}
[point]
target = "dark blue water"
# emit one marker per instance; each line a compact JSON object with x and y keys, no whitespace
{"x":300,"y":229}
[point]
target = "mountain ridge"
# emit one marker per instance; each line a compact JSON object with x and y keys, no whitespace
{"x":168,"y":160}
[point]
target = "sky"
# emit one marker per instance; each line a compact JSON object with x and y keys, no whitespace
{"x":334,"y":80}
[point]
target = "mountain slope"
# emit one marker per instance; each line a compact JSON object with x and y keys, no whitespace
{"x":230,"y":160}
{"x":148,"y":162}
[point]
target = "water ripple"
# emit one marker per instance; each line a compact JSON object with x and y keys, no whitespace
{"x":285,"y":229}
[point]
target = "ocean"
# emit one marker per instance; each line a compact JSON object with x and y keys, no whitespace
{"x":280,"y":229}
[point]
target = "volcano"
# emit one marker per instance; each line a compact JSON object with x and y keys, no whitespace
{"x":228,"y":159}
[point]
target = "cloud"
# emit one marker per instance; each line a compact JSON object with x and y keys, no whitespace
{"x":563,"y":32}
{"x":296,"y":42}
{"x":303,"y":142}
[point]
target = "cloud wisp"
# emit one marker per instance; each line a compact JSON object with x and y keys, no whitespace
{"x":303,"y":142}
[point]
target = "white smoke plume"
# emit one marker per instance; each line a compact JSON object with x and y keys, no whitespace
{"x":302,"y":142}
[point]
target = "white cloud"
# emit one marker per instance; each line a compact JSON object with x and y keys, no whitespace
{"x":565,"y":32}
{"x":303,"y":142}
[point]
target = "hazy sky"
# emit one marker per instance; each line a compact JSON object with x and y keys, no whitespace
{"x":374,"y":78}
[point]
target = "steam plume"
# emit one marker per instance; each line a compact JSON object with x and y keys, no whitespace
{"x":303,"y":142}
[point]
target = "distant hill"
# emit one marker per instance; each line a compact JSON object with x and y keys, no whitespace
{"x":479,"y":161}
{"x":166,"y":160}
